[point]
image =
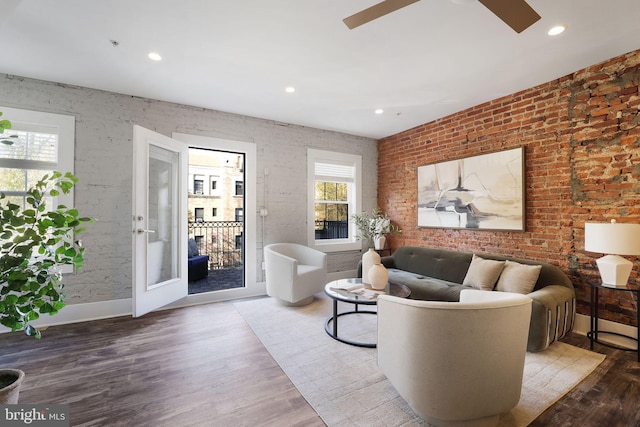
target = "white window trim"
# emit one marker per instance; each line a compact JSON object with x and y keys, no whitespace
{"x":334,"y":245}
{"x":65,"y":126}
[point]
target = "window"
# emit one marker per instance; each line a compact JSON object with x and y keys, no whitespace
{"x":216,"y":188}
{"x":199,"y":214}
{"x":331,"y":210}
{"x":239,"y":188}
{"x":198,"y":185}
{"x":333,"y":195}
{"x":214,"y":212}
{"x":45,"y":143}
{"x":239,"y":215}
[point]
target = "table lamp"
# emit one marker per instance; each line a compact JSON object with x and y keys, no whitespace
{"x":613,"y":239}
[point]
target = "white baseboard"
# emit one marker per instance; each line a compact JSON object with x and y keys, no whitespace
{"x":86,"y":312}
{"x":74,"y":313}
{"x":582,"y":326}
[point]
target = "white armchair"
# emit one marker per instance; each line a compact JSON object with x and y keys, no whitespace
{"x":456,"y":363}
{"x":294,"y":273}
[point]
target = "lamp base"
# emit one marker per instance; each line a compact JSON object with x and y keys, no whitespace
{"x":614,"y":271}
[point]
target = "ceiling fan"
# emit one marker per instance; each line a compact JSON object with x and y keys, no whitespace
{"x":515,"y":13}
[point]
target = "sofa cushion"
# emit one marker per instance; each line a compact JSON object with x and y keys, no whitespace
{"x":430,"y":262}
{"x":519,"y":278}
{"x":192,"y":248}
{"x":427,"y":288}
{"x":483,"y":273}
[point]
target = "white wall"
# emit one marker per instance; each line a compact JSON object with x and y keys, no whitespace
{"x":104,"y":129}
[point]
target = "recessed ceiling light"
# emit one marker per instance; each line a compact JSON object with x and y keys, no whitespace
{"x":290,"y":89}
{"x":379,"y":111}
{"x":155,"y":56}
{"x":557,"y":30}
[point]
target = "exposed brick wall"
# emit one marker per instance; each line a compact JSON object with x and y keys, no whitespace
{"x":582,"y":146}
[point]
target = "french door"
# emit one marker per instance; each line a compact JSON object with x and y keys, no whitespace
{"x":159,"y":220}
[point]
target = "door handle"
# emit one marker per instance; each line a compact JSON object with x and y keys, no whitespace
{"x":140,"y":231}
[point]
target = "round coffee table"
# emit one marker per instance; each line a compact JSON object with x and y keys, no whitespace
{"x":394,"y":289}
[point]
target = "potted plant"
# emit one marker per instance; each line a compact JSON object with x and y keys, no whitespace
{"x":372,"y":229}
{"x":35,"y":242}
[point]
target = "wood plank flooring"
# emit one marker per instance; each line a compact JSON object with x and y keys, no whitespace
{"x":196,"y":366}
{"x":607,"y":398}
{"x":203,"y":366}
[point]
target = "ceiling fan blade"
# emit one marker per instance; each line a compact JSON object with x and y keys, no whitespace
{"x":376,"y":11}
{"x":515,"y":13}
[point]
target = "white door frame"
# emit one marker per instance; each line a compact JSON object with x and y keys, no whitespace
{"x":252,"y":287}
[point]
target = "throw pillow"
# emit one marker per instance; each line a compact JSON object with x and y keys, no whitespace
{"x":483,"y":273}
{"x":193,"y":248}
{"x":519,"y":278}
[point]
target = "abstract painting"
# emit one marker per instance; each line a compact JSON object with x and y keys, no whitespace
{"x":484,"y":192}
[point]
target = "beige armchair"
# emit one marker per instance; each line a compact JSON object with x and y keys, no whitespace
{"x":456,"y":363}
{"x":294,"y":273}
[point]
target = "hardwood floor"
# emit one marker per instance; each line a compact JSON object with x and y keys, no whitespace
{"x":608,"y":397}
{"x":196,"y":366}
{"x":203,"y":366}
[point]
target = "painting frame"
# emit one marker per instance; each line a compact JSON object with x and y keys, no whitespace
{"x":484,"y":192}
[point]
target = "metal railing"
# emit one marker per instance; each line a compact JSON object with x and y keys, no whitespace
{"x":222,"y":240}
{"x":331,"y":229}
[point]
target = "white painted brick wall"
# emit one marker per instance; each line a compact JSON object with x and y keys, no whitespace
{"x":104,"y":130}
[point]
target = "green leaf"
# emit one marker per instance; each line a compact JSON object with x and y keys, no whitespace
{"x":11,"y":299}
{"x":32,"y":332}
{"x":46,"y":308}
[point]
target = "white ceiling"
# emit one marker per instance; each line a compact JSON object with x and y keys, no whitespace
{"x":428,"y":60}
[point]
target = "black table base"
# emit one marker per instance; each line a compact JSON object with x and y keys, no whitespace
{"x":333,"y":332}
{"x":595,"y":331}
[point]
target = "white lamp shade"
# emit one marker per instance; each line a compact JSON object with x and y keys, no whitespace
{"x":612,"y":238}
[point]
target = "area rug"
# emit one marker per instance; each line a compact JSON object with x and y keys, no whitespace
{"x":346,"y":388}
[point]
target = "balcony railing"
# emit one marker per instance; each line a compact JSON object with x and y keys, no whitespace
{"x":331,"y":229}
{"x":221,"y":240}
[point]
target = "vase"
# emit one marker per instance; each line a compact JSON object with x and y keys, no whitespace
{"x":378,"y":276}
{"x":379,"y":242}
{"x":369,"y":258}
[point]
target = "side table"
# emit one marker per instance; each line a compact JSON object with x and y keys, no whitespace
{"x":594,"y":317}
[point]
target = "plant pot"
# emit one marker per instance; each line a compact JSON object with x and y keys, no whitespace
{"x":9,"y":393}
{"x":380,"y":242}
